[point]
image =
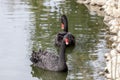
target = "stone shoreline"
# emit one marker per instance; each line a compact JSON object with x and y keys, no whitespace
{"x":110,"y":9}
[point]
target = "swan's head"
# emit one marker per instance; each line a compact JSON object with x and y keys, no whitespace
{"x":64,"y":23}
{"x":69,"y":39}
{"x":66,"y":39}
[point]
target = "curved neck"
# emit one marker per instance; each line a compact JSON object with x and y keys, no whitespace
{"x":65,"y":22}
{"x":62,"y":53}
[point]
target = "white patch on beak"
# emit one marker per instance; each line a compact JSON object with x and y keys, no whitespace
{"x":66,"y":41}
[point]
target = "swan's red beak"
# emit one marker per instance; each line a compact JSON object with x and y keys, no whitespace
{"x":62,"y":26}
{"x":66,"y":41}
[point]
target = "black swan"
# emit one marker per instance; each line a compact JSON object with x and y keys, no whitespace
{"x":51,"y":61}
{"x":60,"y":35}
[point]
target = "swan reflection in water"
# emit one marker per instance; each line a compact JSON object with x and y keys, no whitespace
{"x":47,"y":75}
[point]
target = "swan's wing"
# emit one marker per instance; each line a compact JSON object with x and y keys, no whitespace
{"x":48,"y":60}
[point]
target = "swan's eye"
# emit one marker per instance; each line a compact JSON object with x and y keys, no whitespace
{"x":62,"y":26}
{"x":66,"y":41}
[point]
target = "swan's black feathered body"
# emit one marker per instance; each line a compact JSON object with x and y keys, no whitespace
{"x":51,"y":61}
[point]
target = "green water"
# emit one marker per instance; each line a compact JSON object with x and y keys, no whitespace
{"x":28,"y":25}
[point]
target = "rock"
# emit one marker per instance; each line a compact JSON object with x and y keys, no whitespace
{"x":113,"y":68}
{"x":98,"y":2}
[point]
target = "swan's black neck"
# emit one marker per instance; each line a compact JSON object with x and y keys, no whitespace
{"x":65,"y":22}
{"x":62,"y":52}
{"x":66,"y":26}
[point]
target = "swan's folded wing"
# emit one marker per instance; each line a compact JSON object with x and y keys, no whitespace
{"x":48,"y":60}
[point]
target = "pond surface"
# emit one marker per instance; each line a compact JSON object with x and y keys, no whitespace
{"x":27,"y":25}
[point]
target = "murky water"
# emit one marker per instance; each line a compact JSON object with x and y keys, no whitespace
{"x":27,"y":25}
